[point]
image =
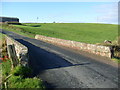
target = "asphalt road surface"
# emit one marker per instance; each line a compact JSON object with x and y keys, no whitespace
{"x":62,"y":68}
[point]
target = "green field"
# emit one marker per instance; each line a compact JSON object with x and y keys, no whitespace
{"x":82,"y":32}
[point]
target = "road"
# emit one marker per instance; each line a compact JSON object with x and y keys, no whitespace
{"x":63,"y":68}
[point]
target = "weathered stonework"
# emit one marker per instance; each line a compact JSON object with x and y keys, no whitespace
{"x":96,"y":49}
{"x":21,"y":50}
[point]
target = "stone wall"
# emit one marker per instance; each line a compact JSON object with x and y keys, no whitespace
{"x":96,"y":49}
{"x":21,"y":50}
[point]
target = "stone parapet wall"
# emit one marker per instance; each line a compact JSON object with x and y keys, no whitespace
{"x":91,"y":48}
{"x":20,"y":49}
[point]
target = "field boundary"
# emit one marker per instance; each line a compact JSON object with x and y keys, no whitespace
{"x":91,"y":48}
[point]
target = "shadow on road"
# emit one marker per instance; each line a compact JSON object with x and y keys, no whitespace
{"x":40,"y":59}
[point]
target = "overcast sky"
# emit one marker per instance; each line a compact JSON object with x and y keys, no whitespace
{"x":62,"y":12}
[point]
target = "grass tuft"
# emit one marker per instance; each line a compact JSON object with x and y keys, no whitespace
{"x":22,"y":71}
{"x":19,"y":82}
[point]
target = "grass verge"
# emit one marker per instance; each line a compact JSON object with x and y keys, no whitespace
{"x":6,"y":68}
{"x":116,"y":60}
{"x":20,"y":80}
{"x":17,"y":79}
{"x":16,"y":30}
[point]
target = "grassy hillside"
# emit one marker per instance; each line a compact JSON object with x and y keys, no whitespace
{"x":82,"y":32}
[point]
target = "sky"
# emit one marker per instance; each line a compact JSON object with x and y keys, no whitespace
{"x":61,"y":12}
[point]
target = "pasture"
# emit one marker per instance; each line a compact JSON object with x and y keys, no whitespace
{"x":81,"y":32}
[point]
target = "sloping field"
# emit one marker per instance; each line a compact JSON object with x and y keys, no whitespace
{"x":82,"y":32}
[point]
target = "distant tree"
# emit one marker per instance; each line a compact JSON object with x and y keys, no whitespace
{"x":37,"y":19}
{"x":54,"y":22}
